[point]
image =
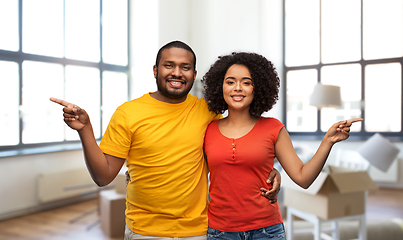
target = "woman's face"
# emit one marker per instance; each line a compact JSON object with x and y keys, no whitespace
{"x":238,"y":88}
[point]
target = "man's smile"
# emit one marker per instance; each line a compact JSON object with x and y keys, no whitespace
{"x":176,"y":83}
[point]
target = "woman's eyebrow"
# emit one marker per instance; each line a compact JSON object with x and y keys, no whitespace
{"x":230,"y":77}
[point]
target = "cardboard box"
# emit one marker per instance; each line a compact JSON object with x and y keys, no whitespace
{"x":338,"y":193}
{"x":120,"y":183}
{"x":112,"y":213}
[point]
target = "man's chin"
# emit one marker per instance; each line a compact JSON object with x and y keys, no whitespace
{"x":178,"y":95}
{"x":175,"y":94}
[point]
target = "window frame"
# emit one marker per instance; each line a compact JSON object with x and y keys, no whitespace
{"x":19,"y":57}
{"x":319,"y":134}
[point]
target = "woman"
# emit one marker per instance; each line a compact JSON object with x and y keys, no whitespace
{"x":241,"y":148}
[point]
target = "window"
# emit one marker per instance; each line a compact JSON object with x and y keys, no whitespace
{"x":74,"y":50}
{"x":354,"y":44}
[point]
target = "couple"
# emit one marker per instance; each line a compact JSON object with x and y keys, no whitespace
{"x":161,"y":135}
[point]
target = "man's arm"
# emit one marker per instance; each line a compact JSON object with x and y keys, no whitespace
{"x":102,"y":167}
{"x":275,"y":179}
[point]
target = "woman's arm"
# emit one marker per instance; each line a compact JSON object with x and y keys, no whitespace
{"x":304,"y":174}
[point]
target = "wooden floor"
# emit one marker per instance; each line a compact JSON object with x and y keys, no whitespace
{"x":78,"y":221}
{"x":81,"y":221}
{"x":385,"y":204}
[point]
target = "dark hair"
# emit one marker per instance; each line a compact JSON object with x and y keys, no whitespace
{"x":175,"y":44}
{"x":264,"y":79}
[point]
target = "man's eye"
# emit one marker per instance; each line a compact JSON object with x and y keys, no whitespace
{"x":168,"y":65}
{"x":186,"y":68}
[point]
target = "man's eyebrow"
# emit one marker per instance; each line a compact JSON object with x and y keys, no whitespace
{"x":169,"y":61}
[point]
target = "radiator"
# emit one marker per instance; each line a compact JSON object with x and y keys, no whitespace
{"x":65,"y":184}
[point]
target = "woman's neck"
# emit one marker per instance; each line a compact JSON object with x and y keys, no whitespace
{"x":240,"y":118}
{"x":237,"y":124}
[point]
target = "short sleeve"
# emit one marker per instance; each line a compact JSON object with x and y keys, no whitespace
{"x":117,"y":138}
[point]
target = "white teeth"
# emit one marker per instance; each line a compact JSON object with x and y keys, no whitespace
{"x":175,"y":83}
{"x":237,"y":97}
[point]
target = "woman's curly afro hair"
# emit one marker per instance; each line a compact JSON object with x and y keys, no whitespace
{"x":264,"y":79}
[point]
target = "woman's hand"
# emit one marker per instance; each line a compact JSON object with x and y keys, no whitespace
{"x":341,"y":131}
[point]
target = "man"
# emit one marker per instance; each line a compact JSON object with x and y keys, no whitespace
{"x":161,"y":135}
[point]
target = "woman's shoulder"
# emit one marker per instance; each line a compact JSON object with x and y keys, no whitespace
{"x":214,"y":123}
{"x":270,"y":120}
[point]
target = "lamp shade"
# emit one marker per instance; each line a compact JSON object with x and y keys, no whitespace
{"x":326,"y":96}
{"x":379,"y":151}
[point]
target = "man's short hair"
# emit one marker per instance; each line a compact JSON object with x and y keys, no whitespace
{"x":176,"y":44}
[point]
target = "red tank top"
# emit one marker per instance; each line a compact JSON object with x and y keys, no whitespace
{"x":238,"y":169}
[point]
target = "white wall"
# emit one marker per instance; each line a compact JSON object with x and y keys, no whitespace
{"x":18,"y":189}
{"x":144,"y":45}
{"x":173,"y":21}
{"x":214,"y":28}
{"x":222,"y":27}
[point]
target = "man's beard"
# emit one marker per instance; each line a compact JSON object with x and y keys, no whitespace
{"x":173,"y":93}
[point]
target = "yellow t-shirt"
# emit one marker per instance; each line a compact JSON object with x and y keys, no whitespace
{"x":163,"y":144}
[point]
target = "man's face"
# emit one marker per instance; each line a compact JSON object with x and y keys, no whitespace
{"x":174,"y":74}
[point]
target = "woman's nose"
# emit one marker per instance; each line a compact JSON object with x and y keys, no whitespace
{"x":238,"y":86}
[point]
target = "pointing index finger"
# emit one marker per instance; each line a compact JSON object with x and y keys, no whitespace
{"x":61,"y":102}
{"x":353,"y":120}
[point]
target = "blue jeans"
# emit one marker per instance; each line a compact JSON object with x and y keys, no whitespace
{"x":271,"y":232}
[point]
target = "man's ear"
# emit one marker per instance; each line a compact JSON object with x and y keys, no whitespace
{"x":194,"y":75}
{"x":155,"y":70}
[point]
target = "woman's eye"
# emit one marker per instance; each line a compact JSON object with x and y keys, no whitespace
{"x":247,"y":83}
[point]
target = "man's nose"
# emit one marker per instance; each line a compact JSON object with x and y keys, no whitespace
{"x":176,"y":71}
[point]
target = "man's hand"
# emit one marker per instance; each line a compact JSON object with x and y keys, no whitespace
{"x":275,"y":179}
{"x":74,"y":116}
